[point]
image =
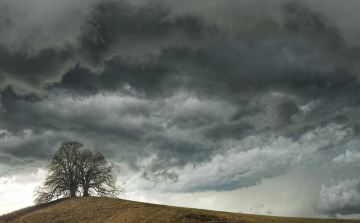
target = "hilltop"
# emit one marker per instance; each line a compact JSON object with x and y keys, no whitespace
{"x":101,"y":209}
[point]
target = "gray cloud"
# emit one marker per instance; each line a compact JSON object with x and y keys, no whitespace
{"x":33,"y":26}
{"x":226,"y":131}
{"x":1,"y":106}
{"x":161,"y":176}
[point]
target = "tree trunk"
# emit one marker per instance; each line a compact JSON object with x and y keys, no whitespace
{"x":86,"y":190}
{"x":73,"y":192}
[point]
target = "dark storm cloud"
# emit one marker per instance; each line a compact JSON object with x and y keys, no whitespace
{"x":39,"y":42}
{"x":111,"y":29}
{"x":295,"y":134}
{"x":285,"y":111}
{"x":29,"y":150}
{"x":166,"y":88}
{"x":45,"y":115}
{"x":210,"y":74}
{"x":227,"y":70}
{"x":26,"y":73}
{"x":149,"y":81}
{"x":226,"y":131}
{"x":138,"y":33}
{"x":180,"y":153}
{"x":129,"y":123}
{"x":1,"y":106}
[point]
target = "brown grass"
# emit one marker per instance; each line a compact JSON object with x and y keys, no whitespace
{"x":96,"y":209}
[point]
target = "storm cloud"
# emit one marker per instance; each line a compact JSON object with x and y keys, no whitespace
{"x":187,"y":97}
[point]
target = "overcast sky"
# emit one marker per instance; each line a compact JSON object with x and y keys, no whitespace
{"x":242,"y":106}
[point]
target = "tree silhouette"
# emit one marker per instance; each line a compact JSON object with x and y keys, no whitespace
{"x":97,"y":176}
{"x":75,"y":171}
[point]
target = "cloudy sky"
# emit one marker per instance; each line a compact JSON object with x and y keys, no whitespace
{"x":242,"y":106}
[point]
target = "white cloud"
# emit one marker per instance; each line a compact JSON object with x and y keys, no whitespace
{"x":350,"y":157}
{"x":339,"y":198}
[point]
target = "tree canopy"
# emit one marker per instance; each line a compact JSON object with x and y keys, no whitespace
{"x":75,"y":171}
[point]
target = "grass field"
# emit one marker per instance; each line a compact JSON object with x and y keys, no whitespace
{"x":96,"y":209}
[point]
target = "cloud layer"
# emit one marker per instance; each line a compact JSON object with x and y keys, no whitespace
{"x":188,"y":98}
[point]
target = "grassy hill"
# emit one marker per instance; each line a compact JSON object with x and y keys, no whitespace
{"x":96,"y":209}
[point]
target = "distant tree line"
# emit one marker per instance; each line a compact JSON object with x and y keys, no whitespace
{"x":76,"y":171}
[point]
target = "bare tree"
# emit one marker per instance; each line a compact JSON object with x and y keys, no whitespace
{"x":98,"y":177}
{"x":75,"y":171}
{"x":62,"y":179}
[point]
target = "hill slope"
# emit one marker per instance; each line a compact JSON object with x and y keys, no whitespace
{"x":96,"y":209}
